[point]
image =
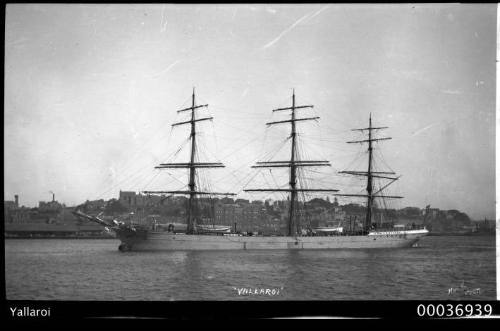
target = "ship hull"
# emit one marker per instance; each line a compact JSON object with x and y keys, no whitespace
{"x":165,"y":241}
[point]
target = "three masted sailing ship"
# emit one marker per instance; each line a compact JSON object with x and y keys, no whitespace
{"x":210,"y":237}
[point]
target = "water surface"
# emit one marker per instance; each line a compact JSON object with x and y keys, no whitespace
{"x":68,"y":269}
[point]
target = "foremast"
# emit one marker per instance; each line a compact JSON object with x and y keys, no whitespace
{"x":294,"y":228}
{"x":370,"y":174}
{"x":192,"y":165}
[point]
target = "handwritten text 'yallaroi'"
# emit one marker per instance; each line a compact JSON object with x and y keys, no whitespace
{"x":258,"y":291}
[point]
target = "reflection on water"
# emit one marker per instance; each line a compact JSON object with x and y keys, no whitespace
{"x":55,"y":269}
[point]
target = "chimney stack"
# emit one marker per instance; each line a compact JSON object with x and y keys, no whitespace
{"x":16,"y":197}
{"x":53,"y":197}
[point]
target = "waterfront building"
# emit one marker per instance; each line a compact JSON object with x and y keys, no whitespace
{"x":9,"y":205}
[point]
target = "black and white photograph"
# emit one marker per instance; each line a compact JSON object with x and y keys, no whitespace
{"x":250,"y":153}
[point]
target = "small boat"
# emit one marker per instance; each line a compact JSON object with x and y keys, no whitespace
{"x":213,"y":228}
{"x":329,"y":229}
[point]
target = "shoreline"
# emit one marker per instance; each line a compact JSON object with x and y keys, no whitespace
{"x":461,"y":234}
{"x":58,"y":237}
{"x":102,"y":237}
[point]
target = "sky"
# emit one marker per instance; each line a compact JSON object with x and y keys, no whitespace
{"x":91,"y":92}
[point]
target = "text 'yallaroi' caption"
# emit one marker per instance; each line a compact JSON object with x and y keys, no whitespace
{"x":258,"y":291}
{"x":29,"y":312}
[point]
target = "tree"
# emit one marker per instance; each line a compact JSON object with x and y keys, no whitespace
{"x":317,"y":202}
{"x":115,"y":207}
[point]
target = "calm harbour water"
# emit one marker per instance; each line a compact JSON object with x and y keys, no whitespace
{"x":66,"y":269}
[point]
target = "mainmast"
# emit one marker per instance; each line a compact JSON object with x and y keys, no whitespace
{"x":369,"y":186}
{"x":370,"y":174}
{"x":192,"y":165}
{"x":192,"y":169}
{"x":293,"y":173}
{"x":293,"y":164}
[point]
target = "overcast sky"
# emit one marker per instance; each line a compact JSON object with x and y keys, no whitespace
{"x":91,"y":92}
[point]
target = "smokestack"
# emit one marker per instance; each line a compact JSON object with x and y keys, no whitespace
{"x":16,"y":197}
{"x":53,"y":197}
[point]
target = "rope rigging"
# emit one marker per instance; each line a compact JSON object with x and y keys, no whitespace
{"x":300,"y":169}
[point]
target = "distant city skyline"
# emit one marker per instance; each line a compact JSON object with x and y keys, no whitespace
{"x":235,"y":199}
{"x":91,"y":91}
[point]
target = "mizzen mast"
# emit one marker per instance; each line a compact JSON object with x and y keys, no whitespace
{"x":293,"y":164}
{"x":192,"y":165}
{"x":370,"y":174}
